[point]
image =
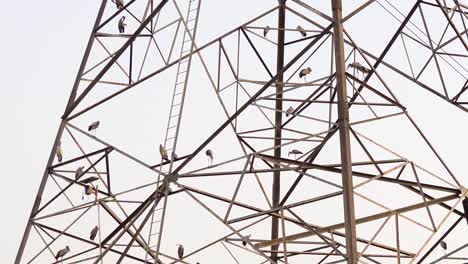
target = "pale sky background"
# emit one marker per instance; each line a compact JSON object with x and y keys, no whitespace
{"x":40,"y":52}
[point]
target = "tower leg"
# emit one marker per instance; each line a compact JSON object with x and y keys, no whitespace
{"x":37,"y":201}
{"x":278,"y":123}
{"x":343,"y":122}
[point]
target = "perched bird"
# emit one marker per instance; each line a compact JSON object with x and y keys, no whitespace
{"x":93,"y":126}
{"x":358,"y":66}
{"x":174,"y":156}
{"x":93,"y":233}
{"x":265,"y":30}
{"x":59,"y":151}
{"x":122,"y":25}
{"x":118,"y":3}
{"x":61,"y":253}
{"x":304,"y":72}
{"x":295,"y":152}
{"x":78,"y":172}
{"x":302,"y":31}
{"x":244,"y":240}
{"x":209,"y":154}
{"x":289,"y":111}
{"x":89,"y":179}
{"x":163,"y":152}
{"x":180,"y":251}
{"x":443,"y":245}
{"x":88,"y":189}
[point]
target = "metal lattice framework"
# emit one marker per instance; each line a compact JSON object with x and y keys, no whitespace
{"x":320,"y":166}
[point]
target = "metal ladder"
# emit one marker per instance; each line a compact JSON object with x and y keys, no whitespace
{"x":173,"y":125}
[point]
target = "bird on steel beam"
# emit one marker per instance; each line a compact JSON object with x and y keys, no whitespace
{"x":61,"y":253}
{"x":118,"y":3}
{"x":289,"y":111}
{"x":302,"y":31}
{"x":209,"y":154}
{"x":359,"y":67}
{"x":58,"y":152}
{"x":266,"y":30}
{"x":122,"y":25}
{"x":295,"y":152}
{"x":180,"y":251}
{"x":163,"y":152}
{"x":304,"y":72}
{"x":93,"y":233}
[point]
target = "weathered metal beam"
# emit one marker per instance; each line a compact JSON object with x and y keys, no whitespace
{"x":113,"y":60}
{"x":45,"y":175}
{"x":250,"y":101}
{"x":276,"y":188}
{"x":360,"y":220}
{"x":343,"y":125}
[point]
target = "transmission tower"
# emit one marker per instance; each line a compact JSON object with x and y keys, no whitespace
{"x":284,"y":140}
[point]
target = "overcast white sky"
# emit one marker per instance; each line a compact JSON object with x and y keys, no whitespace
{"x":40,"y":52}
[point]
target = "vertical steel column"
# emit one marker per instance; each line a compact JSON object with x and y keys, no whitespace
{"x":71,"y":99}
{"x":343,"y":122}
{"x":278,"y":123}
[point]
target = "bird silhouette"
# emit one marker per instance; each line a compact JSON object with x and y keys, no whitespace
{"x":443,"y":244}
{"x":266,"y":30}
{"x":122,"y":25}
{"x":118,"y":3}
{"x":93,"y":126}
{"x":93,"y":233}
{"x":295,"y":152}
{"x":209,"y":154}
{"x":289,"y":111}
{"x":359,"y":67}
{"x":163,"y":152}
{"x":304,"y":72}
{"x":78,"y":172}
{"x":244,"y":240}
{"x":61,"y":253}
{"x":180,"y":251}
{"x":58,"y":151}
{"x":89,"y":179}
{"x":302,"y":31}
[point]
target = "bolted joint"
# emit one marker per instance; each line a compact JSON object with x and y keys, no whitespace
{"x":173,"y":177}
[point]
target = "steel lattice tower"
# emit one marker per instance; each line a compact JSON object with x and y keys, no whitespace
{"x":284,"y":140}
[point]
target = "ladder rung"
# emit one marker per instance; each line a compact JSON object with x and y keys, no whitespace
{"x":181,"y":72}
{"x":155,"y":234}
{"x":176,"y":105}
{"x":174,"y":116}
{"x":157,"y":222}
{"x":170,"y":138}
